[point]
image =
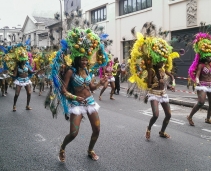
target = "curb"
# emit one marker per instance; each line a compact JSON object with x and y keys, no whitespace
{"x":185,"y":103}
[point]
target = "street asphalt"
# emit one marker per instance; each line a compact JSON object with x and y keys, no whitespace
{"x":30,"y":140}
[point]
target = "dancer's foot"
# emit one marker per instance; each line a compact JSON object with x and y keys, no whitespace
{"x":93,"y":155}
{"x":14,"y":108}
{"x":190,"y":120}
{"x":111,"y":98}
{"x":208,"y":121}
{"x":62,"y":155}
{"x":40,"y":94}
{"x":100,"y":98}
{"x":28,"y":108}
{"x":164,"y":135}
{"x":147,"y":134}
{"x":4,"y":95}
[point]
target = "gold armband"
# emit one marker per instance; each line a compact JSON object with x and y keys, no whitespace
{"x":70,"y":96}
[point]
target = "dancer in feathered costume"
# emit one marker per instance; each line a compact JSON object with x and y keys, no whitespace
{"x":30,"y":56}
{"x":50,"y":57}
{"x":72,"y":85}
{"x":151,"y":62}
{"x":41,"y":62}
{"x":200,"y":73}
{"x":107,"y":71}
{"x":21,"y":71}
{"x":3,"y":75}
{"x":102,"y":58}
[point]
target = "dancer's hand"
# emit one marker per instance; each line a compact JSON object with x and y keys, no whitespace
{"x":79,"y":99}
{"x":197,"y":81}
{"x":172,"y":89}
{"x":103,"y":80}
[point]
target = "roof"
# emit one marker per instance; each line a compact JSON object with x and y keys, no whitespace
{"x":43,"y":32}
{"x":53,"y":25}
{"x":40,"y":20}
{"x":46,"y":21}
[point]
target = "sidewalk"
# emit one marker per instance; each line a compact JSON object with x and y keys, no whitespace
{"x":182,"y":96}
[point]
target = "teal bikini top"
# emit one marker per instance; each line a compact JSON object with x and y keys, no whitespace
{"x":24,"y":70}
{"x":78,"y":81}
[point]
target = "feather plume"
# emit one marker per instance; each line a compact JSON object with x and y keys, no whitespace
{"x":96,"y":28}
{"x":72,"y":15}
{"x":103,"y":36}
{"x":149,"y":29}
{"x":28,"y":41}
{"x":3,"y":49}
{"x":133,"y":31}
{"x":64,"y":45}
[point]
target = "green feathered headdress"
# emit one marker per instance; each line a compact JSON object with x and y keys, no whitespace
{"x":21,"y":53}
{"x":202,"y":45}
{"x":82,"y":43}
{"x":158,"y":49}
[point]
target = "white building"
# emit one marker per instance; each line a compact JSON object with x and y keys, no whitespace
{"x":36,"y":28}
{"x":10,"y":36}
{"x":180,"y":17}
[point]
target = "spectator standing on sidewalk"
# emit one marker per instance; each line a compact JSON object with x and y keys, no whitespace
{"x":123,"y":71}
{"x":116,"y":74}
{"x":200,"y":73}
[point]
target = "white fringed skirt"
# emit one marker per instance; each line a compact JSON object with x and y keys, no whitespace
{"x":22,"y":81}
{"x":203,"y":88}
{"x":112,"y":79}
{"x":158,"y":95}
{"x":88,"y":107}
{"x":4,"y":76}
{"x":161,"y":99}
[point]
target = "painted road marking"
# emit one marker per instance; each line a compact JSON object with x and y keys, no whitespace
{"x":177,"y":122}
{"x":206,"y":137}
{"x":40,"y":138}
{"x":207,"y":130}
{"x":146,"y":113}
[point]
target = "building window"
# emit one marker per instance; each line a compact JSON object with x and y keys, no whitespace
{"x":13,"y":38}
{"x":127,"y":46}
{"x":129,"y":6}
{"x":98,"y":15}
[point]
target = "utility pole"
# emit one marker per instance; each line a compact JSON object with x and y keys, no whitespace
{"x":61,"y":16}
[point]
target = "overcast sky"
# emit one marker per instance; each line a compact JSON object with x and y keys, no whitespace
{"x":14,"y":12}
